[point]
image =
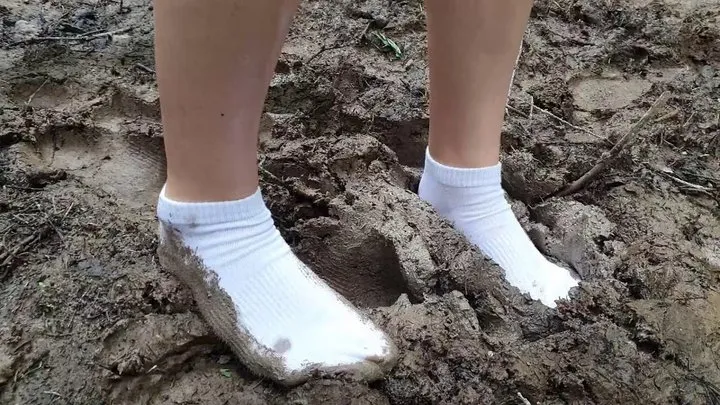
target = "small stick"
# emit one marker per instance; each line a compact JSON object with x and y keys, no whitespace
{"x":608,"y":157}
{"x":8,"y":255}
{"x":323,"y":49}
{"x":23,"y":188}
{"x":534,"y":107}
{"x":364,"y":31}
{"x":11,"y":252}
{"x":107,"y":34}
{"x":512,"y":78}
{"x":693,"y":186}
{"x":523,"y":399}
{"x":72,"y":204}
{"x":671,"y":114}
{"x":62,"y":238}
{"x":85,"y":37}
{"x":145,"y":68}
{"x":687,"y":184}
{"x":32,"y":96}
{"x":687,"y":122}
{"x":515,"y":110}
{"x":93,"y":32}
{"x":587,"y":131}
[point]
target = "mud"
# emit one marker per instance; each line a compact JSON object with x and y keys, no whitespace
{"x":88,"y":317}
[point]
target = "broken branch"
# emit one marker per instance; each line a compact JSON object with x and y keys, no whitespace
{"x":612,"y":154}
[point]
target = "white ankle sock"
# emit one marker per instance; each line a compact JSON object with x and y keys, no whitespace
{"x":474,"y":201}
{"x":283,"y":305}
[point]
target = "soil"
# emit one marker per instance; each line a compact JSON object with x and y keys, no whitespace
{"x":88,"y":317}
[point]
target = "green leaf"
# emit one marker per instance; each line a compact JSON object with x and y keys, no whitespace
{"x":387,"y":43}
{"x":226,"y":372}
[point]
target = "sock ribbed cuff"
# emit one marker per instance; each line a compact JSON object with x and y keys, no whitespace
{"x":462,"y":177}
{"x":202,"y":213}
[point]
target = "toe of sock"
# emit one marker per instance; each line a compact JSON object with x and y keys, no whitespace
{"x":559,"y":284}
{"x":344,"y":344}
{"x":351,"y":365}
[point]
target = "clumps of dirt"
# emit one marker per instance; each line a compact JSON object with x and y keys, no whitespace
{"x":89,"y":317}
{"x":700,"y":34}
{"x":149,"y":343}
{"x":442,"y":327}
{"x":579,"y":235}
{"x":7,"y":363}
{"x":523,"y":180}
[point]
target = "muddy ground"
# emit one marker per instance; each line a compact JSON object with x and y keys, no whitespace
{"x":89,"y":318}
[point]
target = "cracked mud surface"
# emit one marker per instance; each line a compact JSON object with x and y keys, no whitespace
{"x":88,"y":317}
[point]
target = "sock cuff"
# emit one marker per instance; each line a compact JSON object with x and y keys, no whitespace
{"x":204,"y":213}
{"x":462,"y":177}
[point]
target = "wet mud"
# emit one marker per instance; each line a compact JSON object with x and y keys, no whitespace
{"x":88,"y":316}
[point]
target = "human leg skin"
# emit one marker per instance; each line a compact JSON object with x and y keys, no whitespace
{"x":473,"y":47}
{"x":214,"y":67}
{"x":214,"y":63}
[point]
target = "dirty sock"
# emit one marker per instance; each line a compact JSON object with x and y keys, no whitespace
{"x":474,"y":201}
{"x":284,"y":307}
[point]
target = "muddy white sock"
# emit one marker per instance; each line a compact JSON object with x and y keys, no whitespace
{"x":285,"y":308}
{"x":474,"y":201}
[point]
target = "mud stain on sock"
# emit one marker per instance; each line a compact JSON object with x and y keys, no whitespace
{"x":221,"y":314}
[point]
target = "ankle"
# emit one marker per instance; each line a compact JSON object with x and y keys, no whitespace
{"x":459,"y":177}
{"x":201,"y":190}
{"x":453,"y":192}
{"x":245,"y":227}
{"x":248,"y":209}
{"x":465,"y":157}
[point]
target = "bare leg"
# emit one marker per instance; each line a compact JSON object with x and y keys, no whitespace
{"x":215,"y":60}
{"x":473,"y":46}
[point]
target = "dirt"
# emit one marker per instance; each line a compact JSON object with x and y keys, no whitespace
{"x":88,"y":317}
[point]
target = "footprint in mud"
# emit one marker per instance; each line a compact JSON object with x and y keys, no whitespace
{"x":43,"y":92}
{"x":140,"y":104}
{"x":600,"y":93}
{"x":361,"y":264}
{"x":153,"y":342}
{"x":130,"y":167}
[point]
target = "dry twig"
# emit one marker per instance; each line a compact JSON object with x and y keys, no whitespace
{"x":686,"y":184}
{"x":145,"y":68}
{"x":523,"y":399}
{"x":84,"y":37}
{"x":573,"y":126}
{"x":7,"y":257}
{"x":534,"y":107}
{"x":609,"y":156}
{"x":32,"y":96}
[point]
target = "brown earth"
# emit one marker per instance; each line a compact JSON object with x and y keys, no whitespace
{"x":89,"y":318}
